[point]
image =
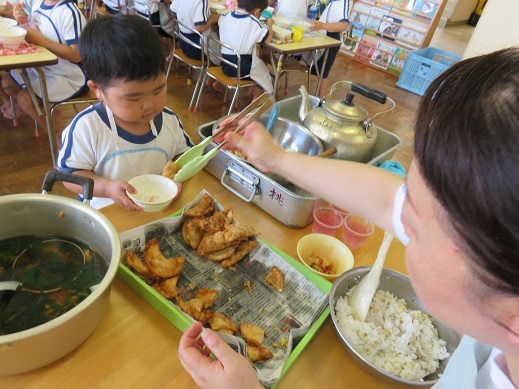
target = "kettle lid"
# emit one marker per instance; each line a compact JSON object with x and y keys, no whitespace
{"x":346,"y":109}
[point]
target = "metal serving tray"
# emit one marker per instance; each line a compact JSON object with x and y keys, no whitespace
{"x":286,"y":202}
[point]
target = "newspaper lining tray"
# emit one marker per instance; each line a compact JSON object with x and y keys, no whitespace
{"x":295,"y":314}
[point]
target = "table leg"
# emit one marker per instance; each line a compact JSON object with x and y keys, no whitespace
{"x":320,"y":72}
{"x":278,"y":69}
{"x":46,"y":108}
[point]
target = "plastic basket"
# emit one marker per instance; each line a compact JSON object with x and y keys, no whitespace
{"x":423,"y":66}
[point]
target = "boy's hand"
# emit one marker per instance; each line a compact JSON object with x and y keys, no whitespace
{"x":317,"y":25}
{"x":19,"y":14}
{"x":269,"y":22}
{"x":116,"y":190}
{"x":34,"y":36}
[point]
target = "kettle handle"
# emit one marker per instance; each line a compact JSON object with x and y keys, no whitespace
{"x":367,"y":92}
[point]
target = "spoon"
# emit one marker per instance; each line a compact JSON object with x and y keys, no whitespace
{"x":273,"y":116}
{"x":195,"y":165}
{"x":360,"y":298}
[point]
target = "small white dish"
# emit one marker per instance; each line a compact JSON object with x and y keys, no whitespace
{"x":154,"y":192}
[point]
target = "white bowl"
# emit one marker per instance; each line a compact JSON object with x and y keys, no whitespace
{"x":303,"y":24}
{"x":281,"y":33}
{"x":282,"y":21}
{"x":11,"y":36}
{"x":154,"y":192}
{"x":328,"y":247}
{"x":215,"y":7}
{"x":8,"y":21}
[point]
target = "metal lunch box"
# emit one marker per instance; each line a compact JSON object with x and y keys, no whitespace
{"x":286,"y":202}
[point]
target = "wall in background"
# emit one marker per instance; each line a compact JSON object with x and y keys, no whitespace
{"x":496,"y":29}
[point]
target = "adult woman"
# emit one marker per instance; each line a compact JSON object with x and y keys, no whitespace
{"x":460,"y":214}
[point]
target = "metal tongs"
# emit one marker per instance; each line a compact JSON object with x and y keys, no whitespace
{"x":193,"y":160}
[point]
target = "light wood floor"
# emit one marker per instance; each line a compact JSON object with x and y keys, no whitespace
{"x":24,"y":159}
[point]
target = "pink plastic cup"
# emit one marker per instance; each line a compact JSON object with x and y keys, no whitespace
{"x":340,"y":210}
{"x":326,"y":220}
{"x":356,"y":230}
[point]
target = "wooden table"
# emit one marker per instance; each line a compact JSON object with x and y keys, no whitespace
{"x":135,"y":347}
{"x":312,"y":43}
{"x":36,"y":61}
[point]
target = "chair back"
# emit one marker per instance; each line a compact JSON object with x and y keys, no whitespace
{"x":178,"y":36}
{"x":214,"y":49}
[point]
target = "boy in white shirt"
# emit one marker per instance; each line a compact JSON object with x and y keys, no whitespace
{"x":129,"y":132}
{"x":242,"y":30}
{"x":59,"y":25}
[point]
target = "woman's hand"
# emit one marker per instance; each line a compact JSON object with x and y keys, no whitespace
{"x":257,"y":144}
{"x":231,"y":370}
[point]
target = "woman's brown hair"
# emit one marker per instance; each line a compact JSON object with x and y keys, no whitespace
{"x":467,"y":147}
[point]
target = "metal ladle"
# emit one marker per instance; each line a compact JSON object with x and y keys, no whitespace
{"x":70,"y":247}
{"x":360,"y":298}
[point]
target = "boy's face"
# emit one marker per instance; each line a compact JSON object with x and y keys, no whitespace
{"x":133,"y":103}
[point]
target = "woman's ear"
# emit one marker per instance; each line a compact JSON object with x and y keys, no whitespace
{"x":96,"y":89}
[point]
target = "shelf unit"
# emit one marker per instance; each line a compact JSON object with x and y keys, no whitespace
{"x":383,"y":32}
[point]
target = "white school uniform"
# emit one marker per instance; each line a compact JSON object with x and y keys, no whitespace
{"x":242,"y":32}
{"x":95,"y":143}
{"x":61,"y":23}
{"x":293,"y":9}
{"x":113,"y":4}
{"x":146,"y":7}
{"x":192,"y":13}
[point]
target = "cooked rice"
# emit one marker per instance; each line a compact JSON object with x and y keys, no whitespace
{"x":401,"y":341}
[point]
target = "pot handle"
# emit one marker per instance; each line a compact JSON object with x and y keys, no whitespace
{"x":52,"y":176}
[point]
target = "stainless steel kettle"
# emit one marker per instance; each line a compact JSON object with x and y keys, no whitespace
{"x":344,"y":124}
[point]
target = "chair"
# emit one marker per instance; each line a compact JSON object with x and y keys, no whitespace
{"x":214,"y":48}
{"x":193,"y":64}
{"x":291,"y":65}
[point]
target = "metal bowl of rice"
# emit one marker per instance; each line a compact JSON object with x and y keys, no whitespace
{"x":413,"y":353}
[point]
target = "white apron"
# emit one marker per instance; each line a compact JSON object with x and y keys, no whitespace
{"x":260,"y":74}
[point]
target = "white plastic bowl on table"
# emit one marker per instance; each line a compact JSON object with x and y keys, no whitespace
{"x":8,"y":21}
{"x":281,"y":33}
{"x":399,"y":285}
{"x":328,"y":247}
{"x":215,"y":7}
{"x":282,"y":21}
{"x":303,"y":24}
{"x":154,"y":192}
{"x":11,"y":36}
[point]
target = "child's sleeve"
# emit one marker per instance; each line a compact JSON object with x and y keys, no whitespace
{"x":71,"y":24}
{"x":336,"y":11}
{"x":182,"y":141}
{"x":77,"y":150}
{"x":201,"y":13}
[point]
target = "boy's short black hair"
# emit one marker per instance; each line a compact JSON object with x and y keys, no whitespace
{"x":120,"y":47}
{"x":251,"y":5}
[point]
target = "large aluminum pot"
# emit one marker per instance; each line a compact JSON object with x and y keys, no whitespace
{"x":26,"y":214}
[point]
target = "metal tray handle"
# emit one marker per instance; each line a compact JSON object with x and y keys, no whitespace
{"x":239,"y":173}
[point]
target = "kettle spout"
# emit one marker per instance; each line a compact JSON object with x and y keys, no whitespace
{"x":305,"y":103}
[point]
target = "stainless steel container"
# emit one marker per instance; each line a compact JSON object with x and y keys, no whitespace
{"x":286,"y":202}
{"x":37,"y":214}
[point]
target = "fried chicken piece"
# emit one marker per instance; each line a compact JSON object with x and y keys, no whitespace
{"x":276,"y":279}
{"x":204,"y":208}
{"x":191,"y":233}
{"x":248,"y":287}
{"x":139,"y":266}
{"x":167,"y":288}
{"x":158,"y":264}
{"x":241,"y":251}
{"x":253,"y":335}
{"x":207,"y":296}
{"x":236,"y":232}
{"x":257,"y":354}
{"x":222,"y":323}
{"x":217,"y":222}
{"x":233,"y":233}
{"x":170,"y":170}
{"x":220,"y":255}
{"x":194,"y":308}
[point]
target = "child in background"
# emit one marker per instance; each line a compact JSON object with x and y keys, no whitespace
{"x":60,"y":23}
{"x":292,"y":9}
{"x":195,"y":14}
{"x":154,"y":10}
{"x":334,"y":20}
{"x":112,"y":6}
{"x":129,"y":132}
{"x":242,"y":30}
